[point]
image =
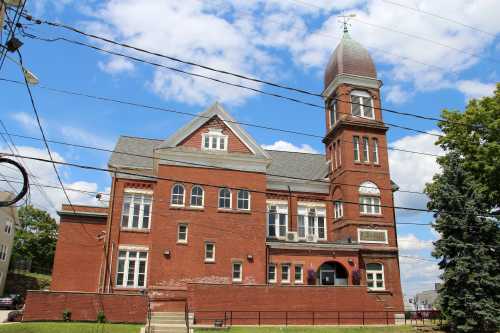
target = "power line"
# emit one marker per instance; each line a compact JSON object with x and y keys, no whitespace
{"x":191,"y":163}
{"x":194,"y":115}
{"x":418,"y":10}
{"x":13,"y":26}
{"x":240,"y":76}
{"x":42,"y":132}
{"x":145,"y":176}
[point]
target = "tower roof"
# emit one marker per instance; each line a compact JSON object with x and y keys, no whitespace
{"x":349,"y":57}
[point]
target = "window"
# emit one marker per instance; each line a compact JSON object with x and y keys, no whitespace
{"x":375,"y":276}
{"x":362,"y":104}
{"x":209,"y":252}
{"x":334,"y":153}
{"x":182,"y":233}
{"x":243,"y":200}
{"x":224,"y":198}
{"x":339,"y":152}
{"x":333,"y":112}
{"x":375,"y":151}
{"x":355,"y":142}
{"x":177,"y":195}
{"x":136,"y":211}
{"x":369,"y":199}
{"x":197,"y":196}
{"x":311,"y":223}
{"x":339,"y":210}
{"x":3,"y":252}
{"x":299,"y":274}
{"x":372,"y":236}
{"x":8,"y":227}
{"x":215,"y":140}
{"x":131,"y":270}
{"x":237,"y":271}
{"x":285,"y":273}
{"x":271,"y":273}
{"x":277,"y":221}
{"x":366,"y":151}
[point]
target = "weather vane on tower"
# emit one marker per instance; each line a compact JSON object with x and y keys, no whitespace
{"x":345,"y":21}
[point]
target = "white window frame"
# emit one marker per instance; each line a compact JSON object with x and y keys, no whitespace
{"x":142,"y":197}
{"x":240,"y":278}
{"x":332,"y":112}
{"x":207,"y":259}
{"x":126,"y":267}
{"x":176,"y":194}
{"x":273,"y":280}
{"x":179,"y":240}
{"x":281,"y":210}
{"x":338,"y":209}
{"x":303,"y":210}
{"x":247,"y":199}
{"x":363,"y":110}
{"x":192,"y":195}
{"x":230,"y":198}
{"x":375,"y":151}
{"x":375,"y":279}
{"x":369,"y":205}
{"x":334,"y":152}
{"x":339,"y":152}
{"x":301,"y":280}
{"x":366,"y":149}
{"x":356,"y":146}
{"x":373,"y":230}
{"x":214,"y":134}
{"x":288,"y":279}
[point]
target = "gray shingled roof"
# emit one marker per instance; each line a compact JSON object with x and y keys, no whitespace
{"x":288,"y":164}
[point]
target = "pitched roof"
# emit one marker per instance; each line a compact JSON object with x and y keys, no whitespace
{"x":287,"y":164}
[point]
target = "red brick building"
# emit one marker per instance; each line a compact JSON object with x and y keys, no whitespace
{"x":210,"y":218}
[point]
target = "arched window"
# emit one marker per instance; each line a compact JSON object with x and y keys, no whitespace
{"x":177,"y":195}
{"x":362,"y":104}
{"x":197,"y":196}
{"x":243,"y":200}
{"x":224,"y":198}
{"x":369,"y":199}
{"x":375,"y":276}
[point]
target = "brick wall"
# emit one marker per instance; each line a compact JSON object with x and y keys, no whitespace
{"x":44,"y":305}
{"x":215,"y":301}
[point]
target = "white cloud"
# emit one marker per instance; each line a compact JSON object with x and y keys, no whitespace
{"x":82,"y":136}
{"x":287,"y":146}
{"x":49,"y":199}
{"x":116,"y":65}
{"x":475,"y":89}
{"x":27,"y":121}
{"x":397,"y":95}
{"x":412,"y":171}
{"x":410,"y":242}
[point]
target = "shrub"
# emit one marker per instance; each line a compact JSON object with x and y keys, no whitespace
{"x":66,"y":315}
{"x":101,"y":317}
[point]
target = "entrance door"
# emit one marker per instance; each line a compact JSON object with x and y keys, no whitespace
{"x":327,"y":277}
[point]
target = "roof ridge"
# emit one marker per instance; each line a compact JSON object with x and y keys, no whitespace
{"x":140,"y":137}
{"x":294,"y":152}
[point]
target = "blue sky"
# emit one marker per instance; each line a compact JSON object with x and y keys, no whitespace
{"x":285,"y":41}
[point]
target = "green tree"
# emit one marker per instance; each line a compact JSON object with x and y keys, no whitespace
{"x":36,"y":239}
{"x":466,"y":194}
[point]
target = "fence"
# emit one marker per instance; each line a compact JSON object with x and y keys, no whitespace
{"x":286,"y":318}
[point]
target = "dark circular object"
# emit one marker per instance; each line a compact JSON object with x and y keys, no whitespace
{"x":24,"y":190}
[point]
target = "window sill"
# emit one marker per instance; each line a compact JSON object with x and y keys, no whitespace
{"x":129,"y":288}
{"x":233,"y":211}
{"x":237,"y":282}
{"x":371,"y":215}
{"x":138,"y":230}
{"x":209,"y":261}
{"x":177,"y":207}
{"x":182,"y":243}
{"x":189,"y":208}
{"x":285,"y":282}
{"x":380,"y":291}
{"x":298,"y":282}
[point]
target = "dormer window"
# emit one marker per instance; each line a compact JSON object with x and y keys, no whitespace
{"x":362,"y":104}
{"x":214,"y":140}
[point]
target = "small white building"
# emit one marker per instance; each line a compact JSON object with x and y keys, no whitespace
{"x":8,"y":222}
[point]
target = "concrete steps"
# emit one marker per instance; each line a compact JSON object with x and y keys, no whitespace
{"x":168,"y":322}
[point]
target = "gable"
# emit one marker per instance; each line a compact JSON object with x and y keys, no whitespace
{"x":195,"y":139}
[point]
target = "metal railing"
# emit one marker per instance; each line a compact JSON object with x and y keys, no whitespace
{"x":285,"y":318}
{"x":186,"y":315}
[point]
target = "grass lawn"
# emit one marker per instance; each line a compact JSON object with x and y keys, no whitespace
{"x":398,"y":329}
{"x":49,"y":327}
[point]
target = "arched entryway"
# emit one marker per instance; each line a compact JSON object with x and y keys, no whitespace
{"x":332,"y":273}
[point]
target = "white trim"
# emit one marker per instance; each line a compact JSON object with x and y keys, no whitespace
{"x":366,"y":145}
{"x":138,"y":191}
{"x":275,"y":273}
{"x":280,"y":210}
{"x":130,"y":214}
{"x":137,"y":261}
{"x":213,"y":252}
{"x":133,"y":247}
{"x":182,"y":241}
{"x":352,"y":80}
{"x":237,"y":262}
{"x":311,"y":204}
{"x":273,"y":202}
{"x":362,"y":94}
{"x":202,"y":197}
{"x":249,"y":200}
{"x":376,"y":157}
{"x":230,"y":199}
{"x":183,"y":195}
{"x":301,"y":281}
{"x":373,"y":230}
{"x":368,"y":188}
{"x":286,"y":281}
{"x":375,"y":272}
